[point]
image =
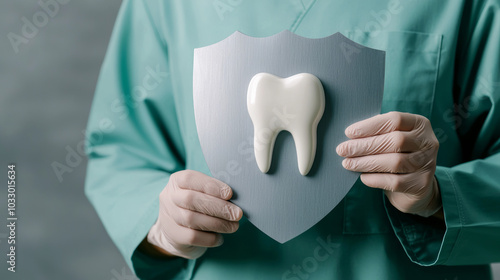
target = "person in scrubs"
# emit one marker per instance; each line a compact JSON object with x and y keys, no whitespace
{"x":437,"y":217}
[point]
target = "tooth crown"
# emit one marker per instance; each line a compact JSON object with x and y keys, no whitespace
{"x":295,"y":104}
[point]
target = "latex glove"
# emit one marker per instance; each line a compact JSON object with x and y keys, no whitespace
{"x":396,"y":152}
{"x":194,"y":211}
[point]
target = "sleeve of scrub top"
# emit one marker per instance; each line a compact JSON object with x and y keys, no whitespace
{"x":134,"y":142}
{"x":470,"y":191}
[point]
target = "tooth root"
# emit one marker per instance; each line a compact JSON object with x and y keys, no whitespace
{"x":305,"y":144}
{"x":263,"y":145}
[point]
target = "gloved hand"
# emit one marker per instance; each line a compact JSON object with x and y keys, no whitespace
{"x":194,"y":211}
{"x":396,"y":152}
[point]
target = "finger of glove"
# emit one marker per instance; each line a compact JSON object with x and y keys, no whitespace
{"x":206,"y":204}
{"x":384,"y":163}
{"x":381,"y":124}
{"x":197,"y":181}
{"x":180,"y":235}
{"x":393,"y":142}
{"x":199,"y":221}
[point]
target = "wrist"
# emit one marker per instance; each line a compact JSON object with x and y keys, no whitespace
{"x":435,"y":206}
{"x":153,"y":250}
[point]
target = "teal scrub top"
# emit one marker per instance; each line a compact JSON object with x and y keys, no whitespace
{"x":442,"y":62}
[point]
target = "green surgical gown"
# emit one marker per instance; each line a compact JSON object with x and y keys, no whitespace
{"x":442,"y":62}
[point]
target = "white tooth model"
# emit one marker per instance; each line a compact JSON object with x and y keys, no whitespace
{"x":295,"y":104}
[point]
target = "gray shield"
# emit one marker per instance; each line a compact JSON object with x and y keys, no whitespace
{"x":282,"y":203}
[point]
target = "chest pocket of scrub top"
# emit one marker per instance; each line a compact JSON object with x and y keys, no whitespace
{"x":412,"y":61}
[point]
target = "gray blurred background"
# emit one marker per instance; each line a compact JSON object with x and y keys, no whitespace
{"x":46,"y":91}
{"x":45,"y":97}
